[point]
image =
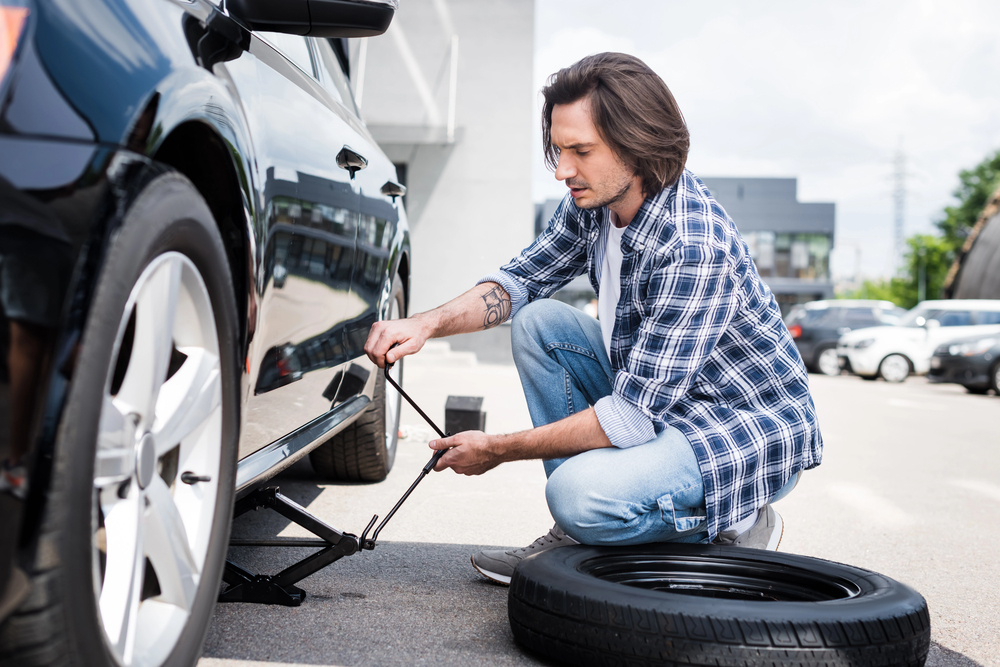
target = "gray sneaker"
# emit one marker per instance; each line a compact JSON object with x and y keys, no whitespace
{"x":765,"y":533}
{"x":499,"y":565}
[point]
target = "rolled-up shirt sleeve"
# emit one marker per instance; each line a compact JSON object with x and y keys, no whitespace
{"x":557,"y":256}
{"x":623,"y":422}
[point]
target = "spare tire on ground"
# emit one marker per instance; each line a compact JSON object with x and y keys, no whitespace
{"x":688,"y":604}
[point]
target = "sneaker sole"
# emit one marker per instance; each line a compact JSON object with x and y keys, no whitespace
{"x":492,"y":576}
{"x":777,"y":534}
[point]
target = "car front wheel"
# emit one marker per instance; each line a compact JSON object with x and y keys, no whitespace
{"x":137,"y":521}
{"x":894,"y":368}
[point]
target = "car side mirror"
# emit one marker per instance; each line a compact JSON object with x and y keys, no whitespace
{"x":316,"y":18}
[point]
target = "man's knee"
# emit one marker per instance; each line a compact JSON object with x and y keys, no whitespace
{"x":529,"y":326}
{"x":574,"y":505}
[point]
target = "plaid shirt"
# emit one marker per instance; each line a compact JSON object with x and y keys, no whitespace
{"x":698,"y":342}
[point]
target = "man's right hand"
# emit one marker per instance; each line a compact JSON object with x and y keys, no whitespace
{"x":408,"y":336}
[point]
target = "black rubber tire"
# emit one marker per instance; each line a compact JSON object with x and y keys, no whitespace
{"x":58,"y":624}
{"x":558,"y":607}
{"x":995,"y":378}
{"x":361,"y":452}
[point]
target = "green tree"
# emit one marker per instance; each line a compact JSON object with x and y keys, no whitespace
{"x":976,"y":186}
{"x":925,"y":267}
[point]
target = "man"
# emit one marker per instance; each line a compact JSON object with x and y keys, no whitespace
{"x":684,"y":411}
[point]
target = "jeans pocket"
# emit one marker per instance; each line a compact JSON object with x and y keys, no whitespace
{"x":682,"y":519}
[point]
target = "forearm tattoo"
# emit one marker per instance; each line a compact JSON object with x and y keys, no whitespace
{"x":497,"y":307}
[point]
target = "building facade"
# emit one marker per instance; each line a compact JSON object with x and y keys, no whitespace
{"x":789,"y":240}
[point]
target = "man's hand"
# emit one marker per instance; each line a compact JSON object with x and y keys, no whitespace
{"x":485,"y":305}
{"x":408,"y":335}
{"x":474,"y":452}
{"x":470,"y":453}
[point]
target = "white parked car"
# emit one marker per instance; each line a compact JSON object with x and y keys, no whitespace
{"x":895,"y":352}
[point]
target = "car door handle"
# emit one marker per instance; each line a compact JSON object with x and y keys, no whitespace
{"x":351,"y":160}
{"x":393,"y":189}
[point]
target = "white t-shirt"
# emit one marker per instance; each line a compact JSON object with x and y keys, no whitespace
{"x":611,"y":281}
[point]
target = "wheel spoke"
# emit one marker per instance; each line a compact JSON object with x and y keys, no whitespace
{"x":187,"y":399}
{"x":114,"y":462}
{"x":156,"y":306}
{"x":123,"y":573}
{"x":168,"y":549}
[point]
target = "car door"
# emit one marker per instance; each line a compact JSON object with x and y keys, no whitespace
{"x":378,"y":217}
{"x":308,"y":217}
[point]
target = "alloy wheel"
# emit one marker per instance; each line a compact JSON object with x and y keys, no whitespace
{"x":829,"y":362}
{"x":894,"y":368}
{"x":157,"y":466}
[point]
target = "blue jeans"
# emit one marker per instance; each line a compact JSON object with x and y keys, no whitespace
{"x":648,"y":493}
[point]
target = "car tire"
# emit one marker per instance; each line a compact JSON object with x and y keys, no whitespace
{"x":995,"y":378}
{"x":365,"y":450}
{"x":129,"y":558}
{"x":977,"y":390}
{"x":894,"y":368}
{"x":827,"y":361}
{"x":670,"y":604}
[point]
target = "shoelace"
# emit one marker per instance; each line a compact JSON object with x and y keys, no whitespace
{"x":548,"y":538}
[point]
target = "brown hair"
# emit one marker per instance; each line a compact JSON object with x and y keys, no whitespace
{"x":632,"y":109}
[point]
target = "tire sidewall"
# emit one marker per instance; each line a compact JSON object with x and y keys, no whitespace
{"x":167,"y":215}
{"x":879,"y":595}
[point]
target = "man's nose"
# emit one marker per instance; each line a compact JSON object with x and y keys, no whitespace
{"x":565,"y":168}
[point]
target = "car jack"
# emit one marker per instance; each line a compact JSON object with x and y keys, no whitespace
{"x":244,"y":586}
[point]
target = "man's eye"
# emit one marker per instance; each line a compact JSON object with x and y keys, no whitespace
{"x":583,"y":152}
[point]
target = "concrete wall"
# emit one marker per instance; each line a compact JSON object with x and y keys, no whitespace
{"x":469,"y":199}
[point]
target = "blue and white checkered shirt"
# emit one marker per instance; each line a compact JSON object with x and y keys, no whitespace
{"x":698,"y":342}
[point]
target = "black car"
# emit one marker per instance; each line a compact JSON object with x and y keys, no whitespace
{"x":196,"y":233}
{"x":816,"y":326}
{"x":973,"y":362}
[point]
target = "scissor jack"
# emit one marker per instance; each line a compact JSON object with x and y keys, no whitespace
{"x":244,"y":586}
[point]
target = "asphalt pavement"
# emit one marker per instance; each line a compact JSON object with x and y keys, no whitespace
{"x":909,"y":486}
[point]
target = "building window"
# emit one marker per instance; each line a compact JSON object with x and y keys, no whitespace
{"x":801,"y":256}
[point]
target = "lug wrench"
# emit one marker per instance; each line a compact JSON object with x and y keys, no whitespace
{"x":365,"y":541}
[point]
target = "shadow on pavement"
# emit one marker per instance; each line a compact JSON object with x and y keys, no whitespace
{"x":402,"y":604}
{"x":939,"y":656}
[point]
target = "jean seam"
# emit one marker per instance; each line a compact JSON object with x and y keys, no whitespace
{"x":568,"y":386}
{"x":569,"y":347}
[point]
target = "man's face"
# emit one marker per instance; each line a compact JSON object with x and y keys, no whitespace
{"x":593,"y":173}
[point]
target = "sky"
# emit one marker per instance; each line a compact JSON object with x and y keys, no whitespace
{"x":827,"y":92}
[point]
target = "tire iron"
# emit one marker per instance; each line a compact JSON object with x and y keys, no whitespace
{"x":369,"y":542}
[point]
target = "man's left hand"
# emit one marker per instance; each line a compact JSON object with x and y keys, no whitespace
{"x":471,"y":453}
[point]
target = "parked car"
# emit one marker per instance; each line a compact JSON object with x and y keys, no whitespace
{"x":196,"y":233}
{"x":895,"y":352}
{"x":816,"y":326}
{"x":972,"y":362}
